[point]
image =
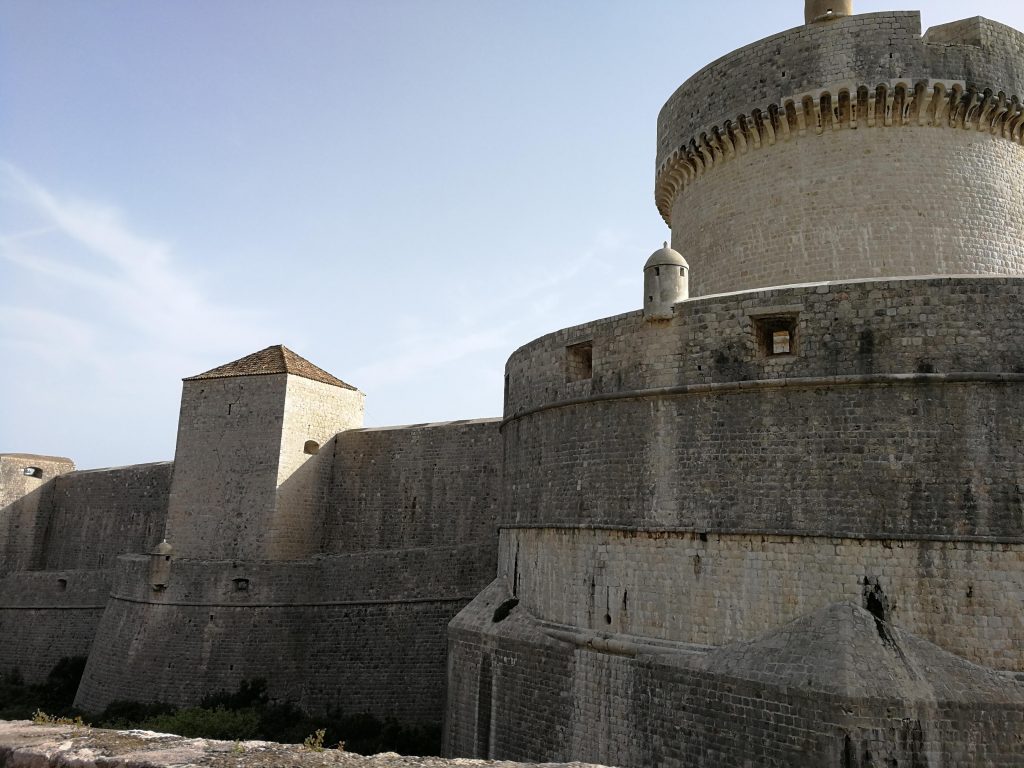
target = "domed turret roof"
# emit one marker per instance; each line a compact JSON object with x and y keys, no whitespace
{"x":163,"y":548}
{"x":666,"y":256}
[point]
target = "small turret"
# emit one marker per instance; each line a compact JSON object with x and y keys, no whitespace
{"x":823,"y":10}
{"x":666,"y":281}
{"x":160,"y":566}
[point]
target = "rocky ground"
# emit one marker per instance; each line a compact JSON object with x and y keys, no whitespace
{"x":26,"y":745}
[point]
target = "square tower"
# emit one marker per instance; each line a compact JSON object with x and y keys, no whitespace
{"x":247,"y":477}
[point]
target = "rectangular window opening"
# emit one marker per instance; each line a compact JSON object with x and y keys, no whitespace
{"x":579,"y":361}
{"x":776,"y":335}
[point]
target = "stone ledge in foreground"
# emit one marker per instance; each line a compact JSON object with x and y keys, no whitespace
{"x":26,"y":745}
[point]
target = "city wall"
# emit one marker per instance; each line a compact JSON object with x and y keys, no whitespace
{"x":408,"y":539}
{"x":415,"y":486}
{"x":48,"y":615}
{"x":58,"y":569}
{"x":99,"y":514}
{"x":26,"y":481}
{"x":825,"y":690}
{"x":715,"y":588}
{"x":896,"y":414}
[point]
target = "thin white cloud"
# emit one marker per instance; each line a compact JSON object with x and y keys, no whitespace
{"x":488,"y":320}
{"x":117,"y":276}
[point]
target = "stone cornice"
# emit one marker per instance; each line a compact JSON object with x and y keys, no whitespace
{"x":926,"y":103}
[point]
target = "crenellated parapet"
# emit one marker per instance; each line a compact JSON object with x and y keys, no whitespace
{"x":894,"y":104}
{"x":849,"y":202}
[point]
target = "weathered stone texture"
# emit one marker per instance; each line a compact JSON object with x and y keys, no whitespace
{"x":99,"y":514}
{"x":26,"y":745}
{"x":893,"y":416}
{"x":710,"y":589}
{"x":917,"y":201}
{"x":868,"y":48}
{"x":243,"y":485}
{"x":858,"y":124}
{"x":849,"y":328}
{"x":834,"y":689}
{"x":54,"y":587}
{"x":407,"y":536}
{"x":419,"y":486}
{"x":48,"y":615}
{"x":313,"y":411}
{"x":24,"y":500}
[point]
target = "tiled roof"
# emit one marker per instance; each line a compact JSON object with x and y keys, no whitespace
{"x":275,"y":359}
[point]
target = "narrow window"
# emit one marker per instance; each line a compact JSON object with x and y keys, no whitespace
{"x":579,"y":361}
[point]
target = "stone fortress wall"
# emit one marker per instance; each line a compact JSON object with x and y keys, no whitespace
{"x":408,"y":538}
{"x":56,"y":572}
{"x":692,"y":423}
{"x":397,"y":529}
{"x":782,"y":525}
{"x":693,"y":492}
{"x":766,"y":526}
{"x":781,"y":161}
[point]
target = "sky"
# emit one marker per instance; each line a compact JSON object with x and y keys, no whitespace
{"x":401,"y":191}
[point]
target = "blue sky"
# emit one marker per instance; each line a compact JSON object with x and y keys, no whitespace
{"x":402,"y":191}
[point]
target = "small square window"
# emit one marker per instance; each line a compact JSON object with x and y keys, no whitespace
{"x":579,"y":361}
{"x":776,"y":335}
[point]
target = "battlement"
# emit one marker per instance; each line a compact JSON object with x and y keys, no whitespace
{"x":870,"y":48}
{"x":850,"y":202}
{"x":894,"y":104}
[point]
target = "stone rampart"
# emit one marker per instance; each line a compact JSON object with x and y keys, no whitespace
{"x":417,"y":486}
{"x":833,"y":689}
{"x":61,"y":556}
{"x":895,"y":414}
{"x":48,"y":615}
{"x":361,"y":632}
{"x":96,"y":515}
{"x":409,"y":537}
{"x":712,"y":588}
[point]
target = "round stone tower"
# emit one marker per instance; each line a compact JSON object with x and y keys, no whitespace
{"x":727,"y":536}
{"x":850,"y":147}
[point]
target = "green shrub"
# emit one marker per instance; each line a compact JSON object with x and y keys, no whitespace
{"x":251,"y":694}
{"x":219,"y":723}
{"x":248,"y":713}
{"x":130,"y":714}
{"x":19,"y":701}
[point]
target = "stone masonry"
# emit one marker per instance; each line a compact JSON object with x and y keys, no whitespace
{"x":782,"y":524}
{"x":779,"y":523}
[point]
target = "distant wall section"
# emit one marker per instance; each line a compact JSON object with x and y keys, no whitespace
{"x":26,"y":485}
{"x":430,"y":485}
{"x":99,"y":514}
